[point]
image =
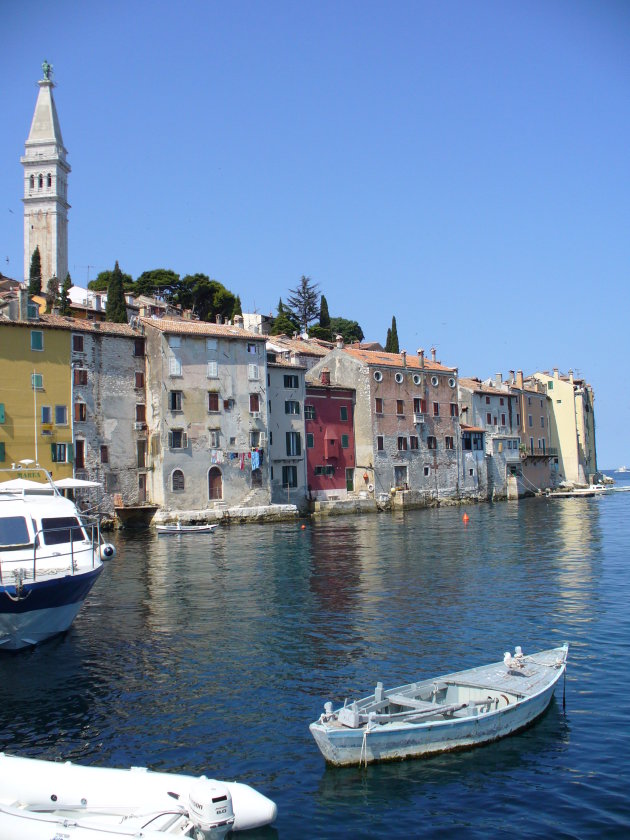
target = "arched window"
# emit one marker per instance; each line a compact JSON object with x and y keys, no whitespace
{"x":32,"y":182}
{"x":215,"y":483}
{"x":178,"y":480}
{"x":49,"y":180}
{"x":40,"y":182}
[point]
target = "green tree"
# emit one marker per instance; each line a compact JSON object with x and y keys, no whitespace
{"x":317,"y":331}
{"x":303,"y":302}
{"x":64,"y":296}
{"x":35,"y":274}
{"x":350,"y":331}
{"x":52,"y":293}
{"x":283,"y":323}
{"x":159,"y":282}
{"x":116,"y":309}
{"x":101,"y":284}
{"x":238,"y":309}
{"x":324,"y":317}
{"x":391,"y":345}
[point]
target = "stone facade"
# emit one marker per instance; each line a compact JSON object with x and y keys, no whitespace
{"x":286,"y":441}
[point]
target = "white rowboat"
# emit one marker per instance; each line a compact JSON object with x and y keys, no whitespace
{"x":178,"y":528}
{"x":48,"y":800}
{"x":455,"y":711}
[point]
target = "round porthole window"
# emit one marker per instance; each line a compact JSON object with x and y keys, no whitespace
{"x":451,"y":381}
{"x":434,"y":381}
{"x":378,"y":375}
{"x":416,"y":379}
{"x":399,"y":377}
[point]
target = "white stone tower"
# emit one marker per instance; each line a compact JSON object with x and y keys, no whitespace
{"x":46,"y":188}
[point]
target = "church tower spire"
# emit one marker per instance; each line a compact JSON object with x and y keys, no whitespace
{"x":46,"y":187}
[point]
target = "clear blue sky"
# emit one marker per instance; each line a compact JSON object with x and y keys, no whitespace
{"x":463,"y":166}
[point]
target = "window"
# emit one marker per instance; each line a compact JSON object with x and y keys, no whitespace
{"x":177,"y":439}
{"x":400,"y":407}
{"x":252,"y":372}
{"x":46,"y":414}
{"x":2,"y":458}
{"x":177,"y":480}
{"x":37,"y":381}
{"x":431,"y":442}
{"x":398,"y":377}
{"x":427,"y":470}
{"x":174,"y":366}
{"x":79,"y":454}
{"x":436,"y":409}
{"x":139,"y":379}
{"x":309,"y":412}
{"x":61,"y":415}
{"x":80,"y":412}
{"x":40,"y":181}
{"x":291,"y":407}
{"x":211,"y":345}
{"x":214,"y":437}
{"x":141,"y":413}
{"x":213,"y":401}
{"x":402,"y":444}
{"x":270,"y":438}
{"x":518,"y":419}
{"x":419,"y":406}
{"x":289,"y":476}
{"x":80,"y":376}
{"x":252,"y":348}
{"x":37,"y":340}
{"x":310,"y":440}
{"x":448,"y":442}
{"x":550,"y":386}
{"x":77,"y":343}
{"x":104,"y":455}
{"x":254,"y":439}
{"x":413,"y":442}
{"x":49,"y":180}
{"x":175,"y":400}
{"x":542,"y":422}
{"x":58,"y":452}
{"x":345,"y":441}
{"x":488,"y":418}
{"x":487,"y":400}
{"x":32,"y":182}
{"x":503,"y":419}
{"x":212,"y":371}
{"x":530,"y":421}
{"x":228,"y":405}
{"x":454,"y":410}
{"x":62,"y":529}
{"x":138,"y":347}
{"x":174,"y":341}
{"x":378,"y":376}
{"x":254,"y":403}
{"x":141,"y":453}
{"x":378,"y":405}
{"x":501,"y":401}
{"x":529,"y":400}
{"x":291,"y":380}
{"x":294,"y":443}
{"x":380,"y":443}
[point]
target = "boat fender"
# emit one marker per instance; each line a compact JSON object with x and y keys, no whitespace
{"x":371,"y":488}
{"x":210,"y":808}
{"x":107,"y":551}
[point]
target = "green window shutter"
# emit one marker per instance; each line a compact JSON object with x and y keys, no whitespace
{"x":53,"y":452}
{"x":70,"y":451}
{"x":1,"y":412}
{"x":2,"y":456}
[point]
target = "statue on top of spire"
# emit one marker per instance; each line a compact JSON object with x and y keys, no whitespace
{"x":47,"y":68}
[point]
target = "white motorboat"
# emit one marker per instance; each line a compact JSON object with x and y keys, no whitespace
{"x":50,"y":557}
{"x":455,"y":711}
{"x":178,"y":528}
{"x":48,"y":800}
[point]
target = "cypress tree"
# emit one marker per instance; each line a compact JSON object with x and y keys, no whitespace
{"x":388,"y":341}
{"x":238,"y":309}
{"x":394,"y":338}
{"x":116,"y":309}
{"x":35,"y":274}
{"x":64,"y":297}
{"x":324,"y":317}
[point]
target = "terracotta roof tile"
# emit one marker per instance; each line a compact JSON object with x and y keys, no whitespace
{"x":183,"y":327}
{"x":382,"y":359}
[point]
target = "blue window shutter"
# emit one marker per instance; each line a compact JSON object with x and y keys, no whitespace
{"x":53,"y":452}
{"x":1,"y":412}
{"x":2,"y":456}
{"x":70,"y":451}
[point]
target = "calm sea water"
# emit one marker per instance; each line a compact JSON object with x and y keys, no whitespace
{"x":211,"y":654}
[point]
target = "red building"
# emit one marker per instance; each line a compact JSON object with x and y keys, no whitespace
{"x":329,"y":427}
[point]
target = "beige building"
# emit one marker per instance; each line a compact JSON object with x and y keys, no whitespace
{"x":572,"y":425}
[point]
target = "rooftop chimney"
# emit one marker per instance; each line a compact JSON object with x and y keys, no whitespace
{"x":339,"y":340}
{"x":433,"y":352}
{"x":512,"y":377}
{"x":421,"y":357}
{"x":519,"y":378}
{"x":325,"y":377}
{"x":239,"y":321}
{"x":219,"y":318}
{"x":403,"y":353}
{"x":555,"y":373}
{"x":498,"y":378}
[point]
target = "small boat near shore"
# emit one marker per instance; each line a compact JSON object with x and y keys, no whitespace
{"x":178,"y":528}
{"x":42,"y":800}
{"x":50,"y":557}
{"x":455,"y":711}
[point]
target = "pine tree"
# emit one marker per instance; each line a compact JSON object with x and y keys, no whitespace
{"x":394,"y":338}
{"x":324,"y":317}
{"x":64,"y":297}
{"x":116,"y":309}
{"x":52,"y":293}
{"x":303,"y":302}
{"x":35,"y":274}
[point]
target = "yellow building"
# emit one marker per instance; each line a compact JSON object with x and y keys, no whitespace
{"x":35,"y":396}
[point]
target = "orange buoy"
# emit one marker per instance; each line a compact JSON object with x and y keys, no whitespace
{"x":303,"y":527}
{"x":465,"y":519}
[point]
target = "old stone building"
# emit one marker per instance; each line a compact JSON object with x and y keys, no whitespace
{"x":285,"y":418}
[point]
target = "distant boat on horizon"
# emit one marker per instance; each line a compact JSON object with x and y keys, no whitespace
{"x":623,"y":470}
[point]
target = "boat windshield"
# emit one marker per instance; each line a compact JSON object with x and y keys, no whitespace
{"x":62,"y":529}
{"x":13,"y":531}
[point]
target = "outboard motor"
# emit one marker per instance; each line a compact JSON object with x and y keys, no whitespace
{"x":210,"y":809}
{"x":107,"y":551}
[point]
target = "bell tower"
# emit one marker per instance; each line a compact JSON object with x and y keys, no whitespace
{"x":46,"y":187}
